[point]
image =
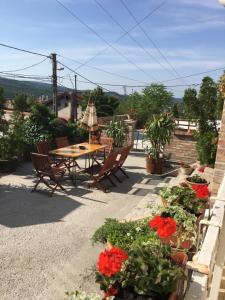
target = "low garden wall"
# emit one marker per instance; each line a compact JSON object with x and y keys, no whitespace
{"x":205,"y":281}
{"x":182,"y":146}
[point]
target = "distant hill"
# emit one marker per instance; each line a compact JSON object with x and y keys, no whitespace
{"x":13,"y":87}
{"x":177,"y":100}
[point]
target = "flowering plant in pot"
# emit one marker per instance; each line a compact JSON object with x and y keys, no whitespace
{"x":196,"y":179}
{"x":146,"y":272}
{"x":184,"y":196}
{"x":158,"y":132}
{"x":184,"y":235}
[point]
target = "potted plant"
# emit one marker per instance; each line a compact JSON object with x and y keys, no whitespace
{"x":124,"y":234}
{"x":185,"y":168}
{"x":184,"y":196}
{"x":118,"y":131}
{"x":186,"y":229}
{"x":158,"y":132}
{"x":196,"y":179}
{"x":146,"y":272}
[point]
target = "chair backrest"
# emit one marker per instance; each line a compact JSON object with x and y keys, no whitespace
{"x":109,"y":163}
{"x":122,"y":155}
{"x":43,"y":147}
{"x":41,"y":162}
{"x":107,"y":141}
{"x":62,"y":142}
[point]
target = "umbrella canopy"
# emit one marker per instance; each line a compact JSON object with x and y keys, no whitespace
{"x":89,"y":121}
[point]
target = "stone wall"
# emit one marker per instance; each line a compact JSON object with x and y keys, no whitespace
{"x":182,"y":147}
{"x":219,"y":169}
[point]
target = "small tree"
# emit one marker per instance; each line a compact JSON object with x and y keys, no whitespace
{"x":20,"y":103}
{"x":105,"y":105}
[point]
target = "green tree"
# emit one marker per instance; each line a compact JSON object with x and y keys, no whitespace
{"x":175,"y":110}
{"x":105,"y":105}
{"x":190,"y":102}
{"x":20,"y":102}
{"x":153,"y":100}
{"x":2,"y":100}
{"x":204,"y":107}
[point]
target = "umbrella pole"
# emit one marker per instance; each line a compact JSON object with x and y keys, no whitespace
{"x":89,"y":137}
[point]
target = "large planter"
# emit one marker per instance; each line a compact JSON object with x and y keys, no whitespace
{"x":154,"y":166}
{"x":8,"y":166}
{"x":175,"y":241}
{"x":190,"y":183}
{"x":129,"y":295}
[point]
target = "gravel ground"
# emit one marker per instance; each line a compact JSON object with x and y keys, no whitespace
{"x":45,"y":242}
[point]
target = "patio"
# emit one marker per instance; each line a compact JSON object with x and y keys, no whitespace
{"x":45,"y":241}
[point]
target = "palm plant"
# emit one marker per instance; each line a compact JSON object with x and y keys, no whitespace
{"x":118,"y":131}
{"x":159,"y":132}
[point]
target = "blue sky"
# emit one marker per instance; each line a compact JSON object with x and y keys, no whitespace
{"x":189,"y":33}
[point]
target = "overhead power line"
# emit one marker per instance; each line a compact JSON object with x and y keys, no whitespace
{"x":90,"y":81}
{"x":124,"y":30}
{"x":25,"y":75}
{"x":195,"y":74}
{"x":103,"y":39}
{"x":25,"y":68}
{"x":104,"y":71}
{"x":23,"y":50}
{"x":118,"y":39}
{"x":140,"y":86}
{"x":150,"y":39}
{"x":131,"y":37}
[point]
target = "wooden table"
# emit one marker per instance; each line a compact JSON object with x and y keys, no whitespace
{"x":74,"y":152}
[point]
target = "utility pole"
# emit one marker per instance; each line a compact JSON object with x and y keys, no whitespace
{"x":73,"y":109}
{"x":54,"y":84}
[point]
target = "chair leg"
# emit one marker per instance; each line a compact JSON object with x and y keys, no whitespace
{"x":120,"y":168}
{"x":110,"y":179}
{"x":36,"y":185}
{"x":117,"y":178}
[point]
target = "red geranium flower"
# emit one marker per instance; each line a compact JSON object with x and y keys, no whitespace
{"x":111,"y":292}
{"x":110,"y":261}
{"x":201,"y":169}
{"x":165,"y":226}
{"x":201,"y":191}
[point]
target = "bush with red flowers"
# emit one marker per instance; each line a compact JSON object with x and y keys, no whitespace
{"x":110,"y":261}
{"x":202,"y":191}
{"x":165,"y":226}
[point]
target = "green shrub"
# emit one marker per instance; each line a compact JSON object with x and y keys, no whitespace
{"x":124,"y":234}
{"x":206,"y":147}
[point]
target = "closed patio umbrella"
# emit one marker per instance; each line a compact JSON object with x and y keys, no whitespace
{"x":89,"y":121}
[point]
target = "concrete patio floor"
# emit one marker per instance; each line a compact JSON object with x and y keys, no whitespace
{"x":45,"y":242}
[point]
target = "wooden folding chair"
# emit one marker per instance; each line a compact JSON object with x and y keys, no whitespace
{"x":44,"y":148}
{"x":103,"y":172}
{"x":44,"y":169}
{"x":121,"y":158}
{"x":62,"y":142}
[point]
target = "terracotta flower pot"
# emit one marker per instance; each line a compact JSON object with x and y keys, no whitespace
{"x":190,"y":183}
{"x":176,"y":241}
{"x":179,"y":257}
{"x":154,"y":166}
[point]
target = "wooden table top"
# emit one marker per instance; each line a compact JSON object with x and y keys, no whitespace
{"x":74,"y":151}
